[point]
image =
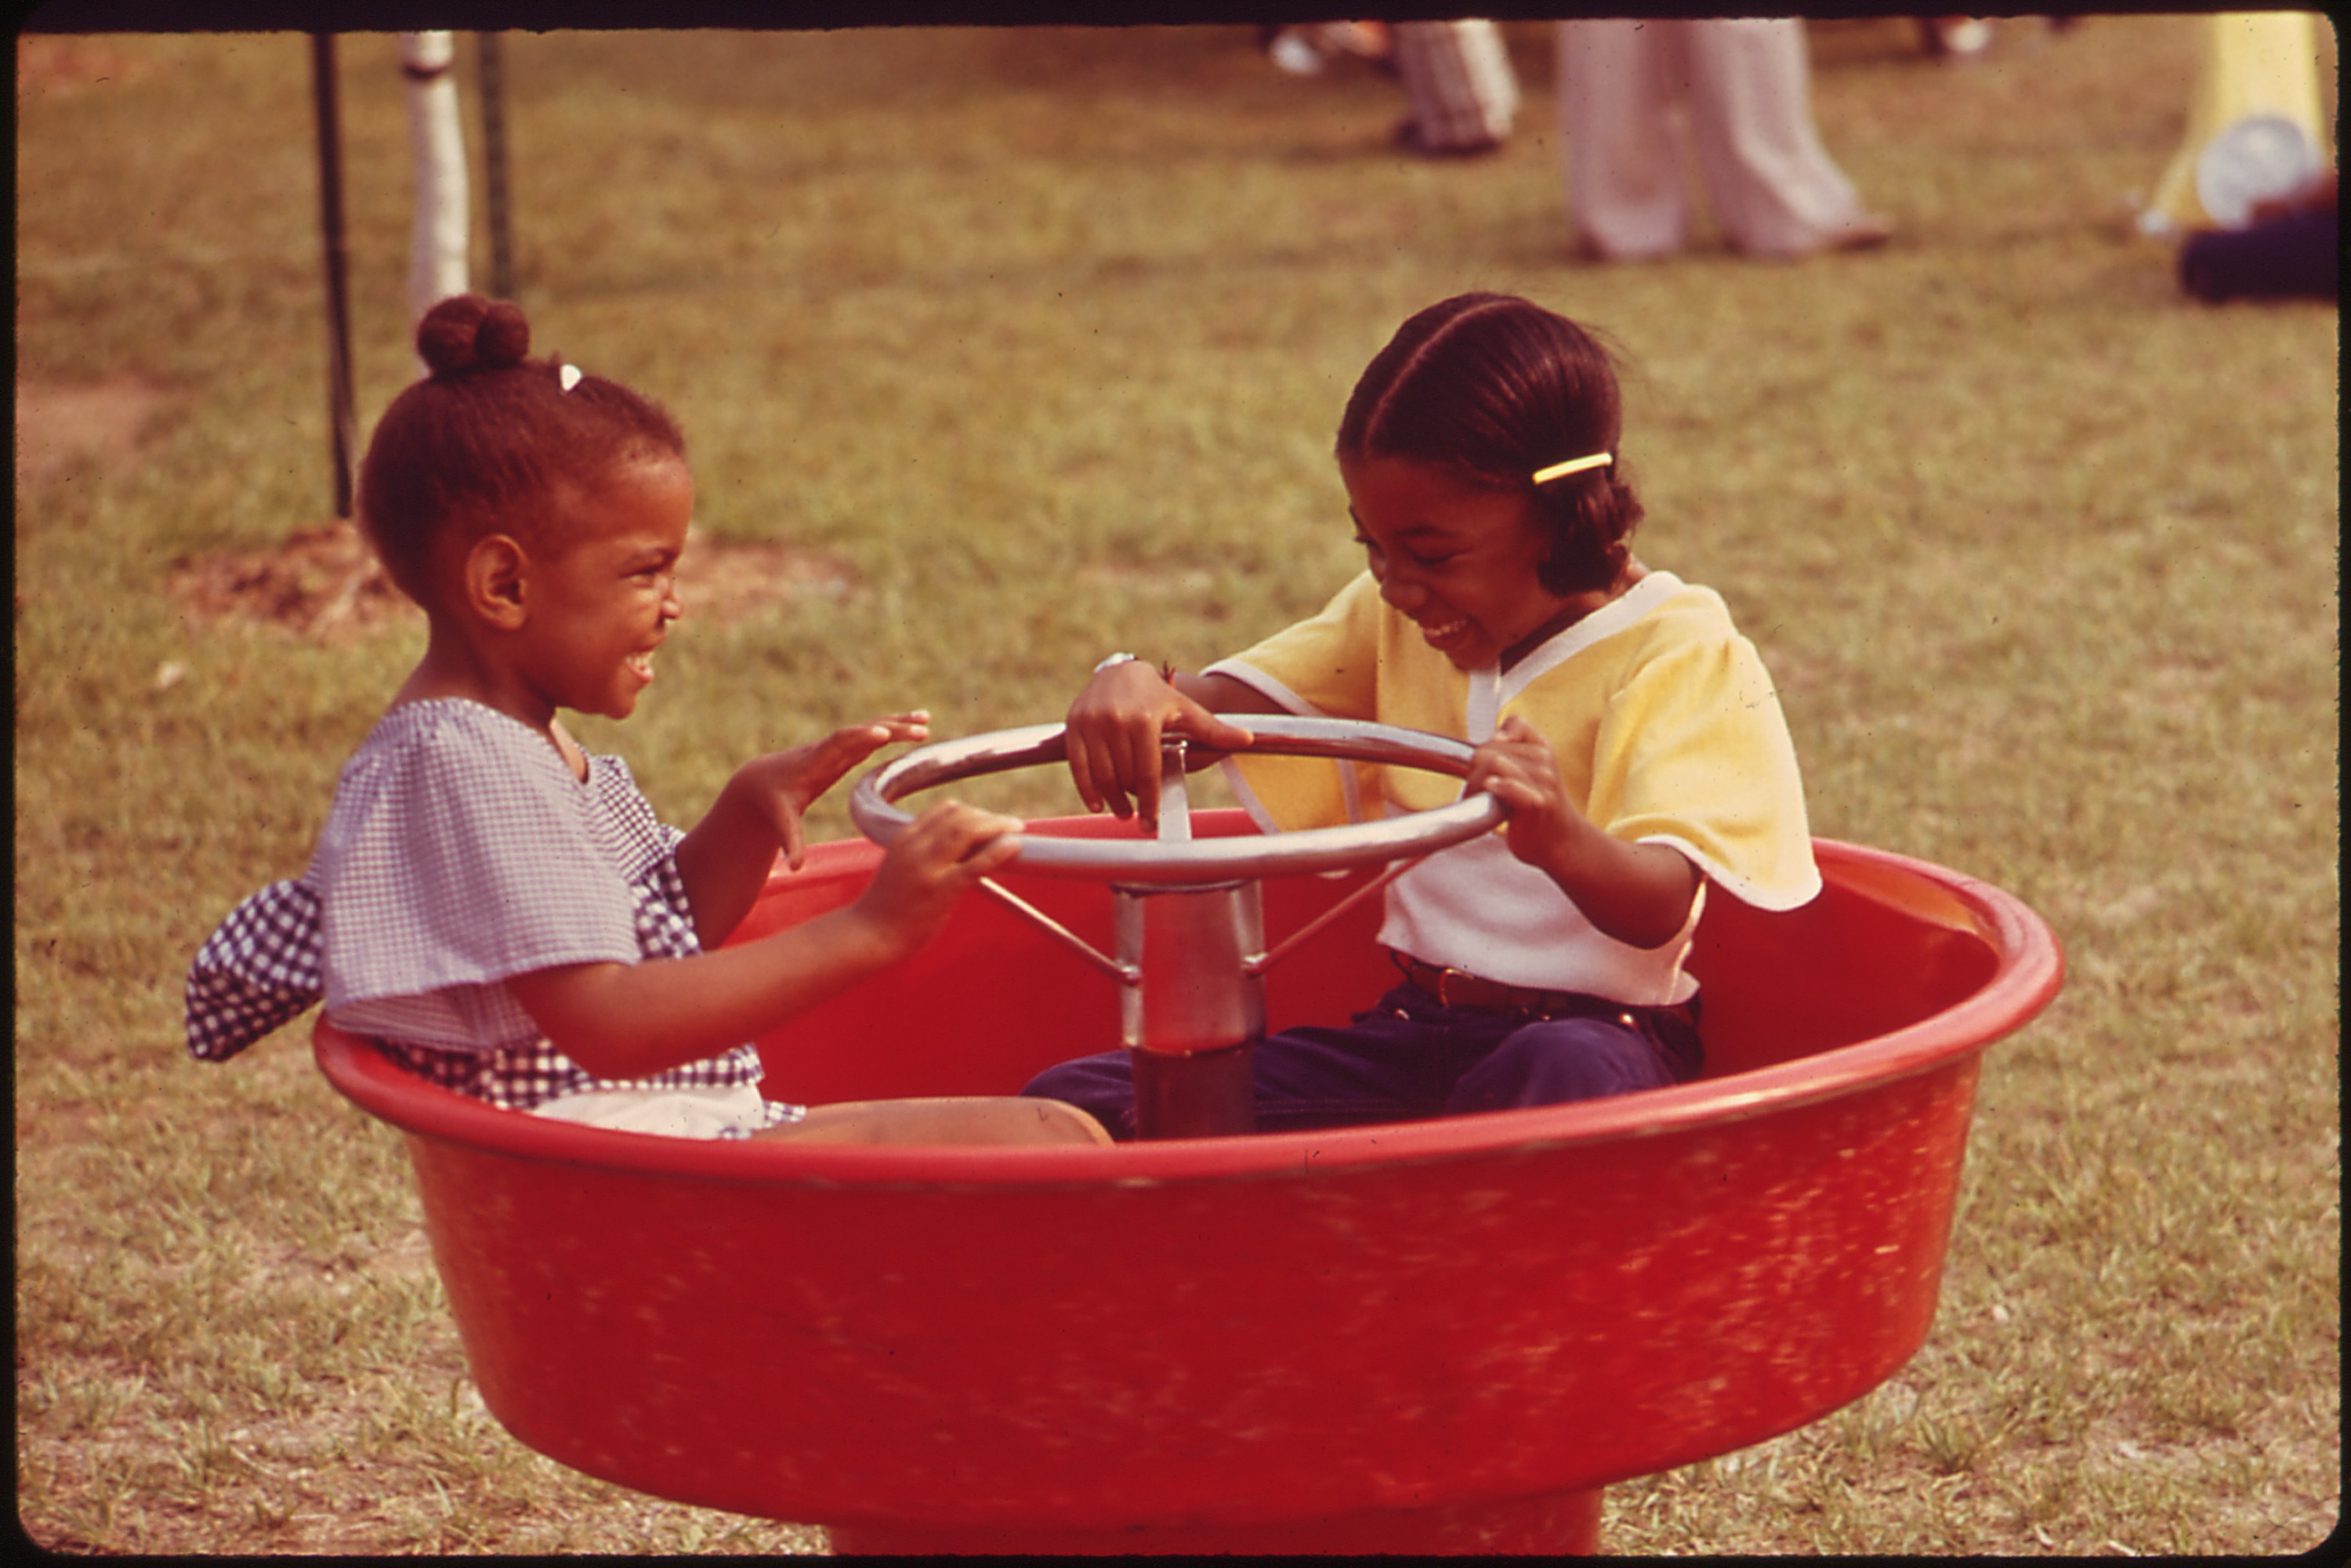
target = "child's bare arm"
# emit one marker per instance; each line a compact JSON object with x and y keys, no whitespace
{"x":1637,"y":894}
{"x":626,"y":1021}
{"x":725,"y":860}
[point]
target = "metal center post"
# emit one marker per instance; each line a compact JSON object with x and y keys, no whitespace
{"x":1191,"y":999}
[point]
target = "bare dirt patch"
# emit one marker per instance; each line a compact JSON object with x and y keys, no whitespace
{"x":56,"y":67}
{"x":59,"y":425}
{"x":727,"y":580}
{"x":323,"y":582}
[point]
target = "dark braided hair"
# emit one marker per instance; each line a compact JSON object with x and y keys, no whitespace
{"x":491,"y":441}
{"x":1492,"y":388}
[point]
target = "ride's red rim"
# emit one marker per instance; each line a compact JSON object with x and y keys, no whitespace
{"x":2029,"y":969}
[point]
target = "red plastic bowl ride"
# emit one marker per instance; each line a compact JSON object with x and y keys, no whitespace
{"x":1443,"y":1335}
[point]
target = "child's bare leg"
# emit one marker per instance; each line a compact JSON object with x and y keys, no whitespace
{"x":973,"y":1118}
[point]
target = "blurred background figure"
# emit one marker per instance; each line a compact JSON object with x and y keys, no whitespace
{"x":2255,"y":128}
{"x":1637,"y":97}
{"x":1463,"y":93}
{"x":2291,"y":248}
{"x":1303,"y":50}
{"x":1463,"y":96}
{"x":1955,"y":38}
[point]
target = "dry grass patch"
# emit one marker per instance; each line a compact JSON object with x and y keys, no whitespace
{"x":321,"y":583}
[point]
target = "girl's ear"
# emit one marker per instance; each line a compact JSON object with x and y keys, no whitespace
{"x":496,"y":572}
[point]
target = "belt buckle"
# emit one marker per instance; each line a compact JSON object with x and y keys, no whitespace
{"x":1445,"y":979}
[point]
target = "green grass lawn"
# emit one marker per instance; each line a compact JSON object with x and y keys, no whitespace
{"x":1039,"y":340}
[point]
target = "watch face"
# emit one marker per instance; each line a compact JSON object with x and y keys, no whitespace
{"x":2254,"y":159}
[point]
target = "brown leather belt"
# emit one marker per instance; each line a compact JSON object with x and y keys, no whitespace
{"x":1459,"y":988}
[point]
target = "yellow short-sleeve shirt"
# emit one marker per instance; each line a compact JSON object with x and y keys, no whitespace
{"x":1667,"y":730}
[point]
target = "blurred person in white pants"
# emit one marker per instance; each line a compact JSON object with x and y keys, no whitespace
{"x":1737,"y":92}
{"x":1457,"y":76}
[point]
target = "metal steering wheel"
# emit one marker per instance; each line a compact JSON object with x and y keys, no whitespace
{"x":1190,"y":930}
{"x":1175,"y":859}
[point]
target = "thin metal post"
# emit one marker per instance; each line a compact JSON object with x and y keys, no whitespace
{"x":341,"y":418}
{"x":494,"y":165}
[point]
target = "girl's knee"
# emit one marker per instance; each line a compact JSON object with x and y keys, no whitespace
{"x":1101,"y":1087}
{"x":1056,"y":1122}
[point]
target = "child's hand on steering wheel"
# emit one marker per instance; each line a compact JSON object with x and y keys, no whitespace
{"x":1113,"y":731}
{"x":1518,"y":768}
{"x":949,"y":847}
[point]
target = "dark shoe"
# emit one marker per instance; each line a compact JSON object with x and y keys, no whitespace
{"x":1591,"y":252}
{"x":1864,"y":233}
{"x":1409,"y":138}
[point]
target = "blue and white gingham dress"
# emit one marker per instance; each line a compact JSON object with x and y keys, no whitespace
{"x":460,"y":850}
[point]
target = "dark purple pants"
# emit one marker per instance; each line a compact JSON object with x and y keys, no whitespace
{"x":1411,"y":1057}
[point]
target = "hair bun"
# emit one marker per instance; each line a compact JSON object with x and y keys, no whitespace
{"x":467,"y":332}
{"x":504,"y":336}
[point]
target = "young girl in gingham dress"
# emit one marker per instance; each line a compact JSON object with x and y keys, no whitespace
{"x":500,"y":910}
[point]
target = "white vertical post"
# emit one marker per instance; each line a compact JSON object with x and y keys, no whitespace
{"x":436,"y":263}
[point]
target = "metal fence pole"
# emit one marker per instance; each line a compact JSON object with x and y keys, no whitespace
{"x":494,"y":165}
{"x":341,"y":417}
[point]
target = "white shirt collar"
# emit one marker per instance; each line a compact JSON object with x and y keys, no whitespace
{"x":1611,"y":618}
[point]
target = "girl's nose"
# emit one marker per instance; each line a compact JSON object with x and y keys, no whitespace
{"x":672,"y":607}
{"x":1400,"y":590}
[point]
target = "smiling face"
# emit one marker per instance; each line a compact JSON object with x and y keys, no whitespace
{"x":599,"y":607}
{"x":1460,"y":561}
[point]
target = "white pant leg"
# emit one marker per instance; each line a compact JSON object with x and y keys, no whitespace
{"x":1621,"y":135}
{"x":698,"y":1113}
{"x":1458,"y":79}
{"x":1772,"y":185}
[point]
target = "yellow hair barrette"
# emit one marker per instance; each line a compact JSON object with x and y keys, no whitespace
{"x":1573,"y":466}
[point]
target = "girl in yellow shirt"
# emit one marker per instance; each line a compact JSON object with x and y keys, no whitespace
{"x":1629,"y":728}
